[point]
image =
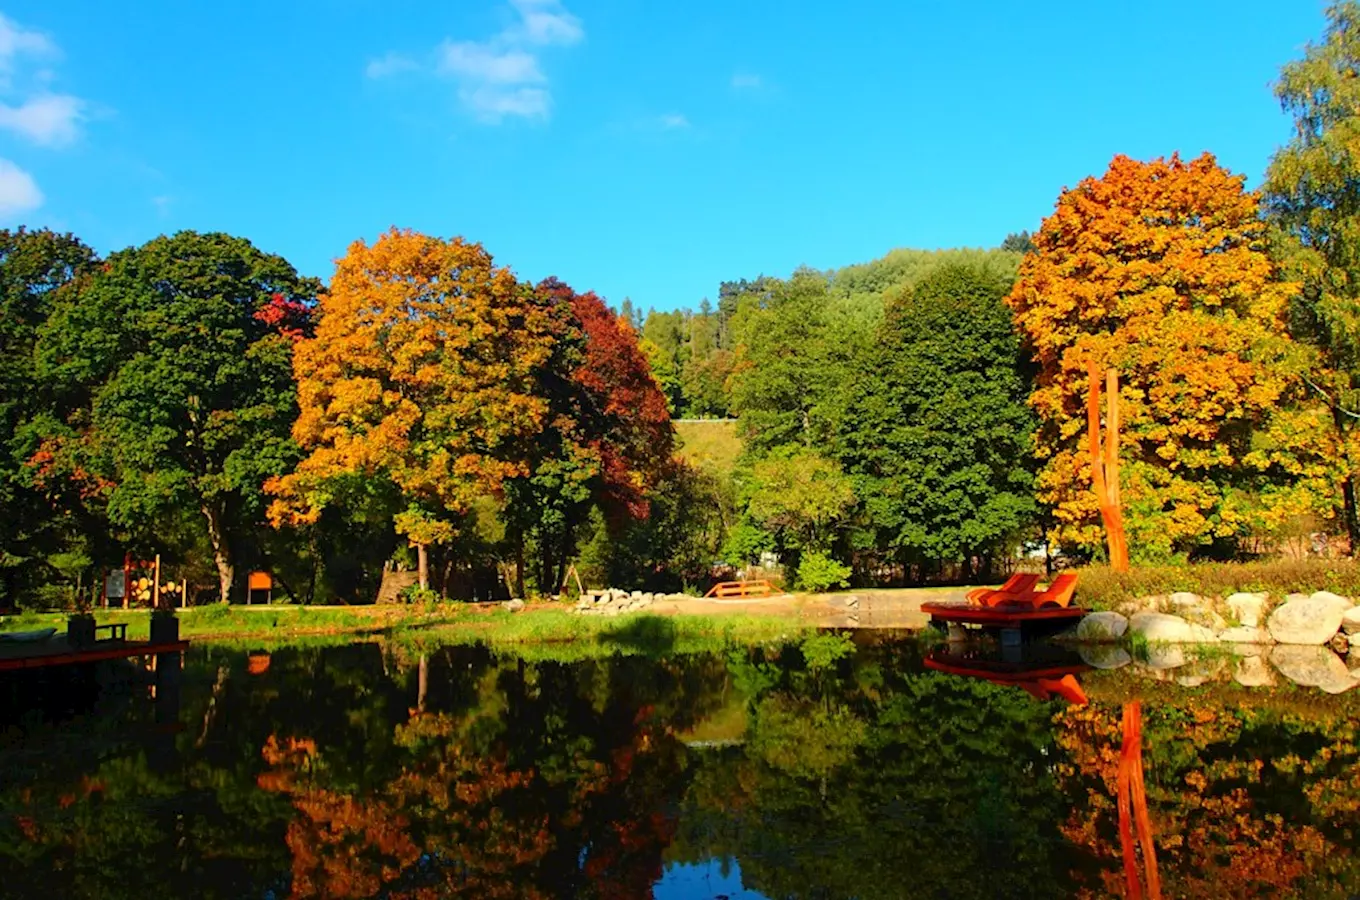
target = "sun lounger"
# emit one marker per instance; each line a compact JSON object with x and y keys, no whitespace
{"x":1019,"y":583}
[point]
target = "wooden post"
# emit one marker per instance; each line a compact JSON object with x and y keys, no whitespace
{"x":127,"y":578}
{"x":1105,"y":465}
{"x":156,"y":585}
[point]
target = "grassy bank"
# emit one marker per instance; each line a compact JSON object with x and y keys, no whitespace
{"x":1100,"y":588}
{"x":542,"y":626}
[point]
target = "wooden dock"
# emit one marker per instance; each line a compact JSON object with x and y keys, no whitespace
{"x":56,"y":651}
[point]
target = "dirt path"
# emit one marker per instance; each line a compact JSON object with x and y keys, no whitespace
{"x":895,"y":608}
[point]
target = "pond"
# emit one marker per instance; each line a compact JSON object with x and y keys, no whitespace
{"x":405,"y":769}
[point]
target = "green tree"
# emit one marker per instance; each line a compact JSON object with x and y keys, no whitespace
{"x":800,"y":496}
{"x":938,"y":440}
{"x":36,"y":267}
{"x":1312,"y":194}
{"x":184,"y":347}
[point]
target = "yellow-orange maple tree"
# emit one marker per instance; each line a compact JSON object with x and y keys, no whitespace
{"x":1158,"y":270}
{"x":421,"y":371}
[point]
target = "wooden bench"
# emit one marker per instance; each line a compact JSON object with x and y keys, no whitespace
{"x":117,"y":631}
{"x":725,"y":589}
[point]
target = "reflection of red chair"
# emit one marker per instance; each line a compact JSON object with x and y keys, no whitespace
{"x":1059,"y":594}
{"x":1066,"y":687}
{"x":1019,"y":583}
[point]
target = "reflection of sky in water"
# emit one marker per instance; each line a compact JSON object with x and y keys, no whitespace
{"x":710,"y":880}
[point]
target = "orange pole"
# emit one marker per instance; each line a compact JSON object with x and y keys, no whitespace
{"x":1105,"y":465}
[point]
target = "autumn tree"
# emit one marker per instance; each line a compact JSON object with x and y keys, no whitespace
{"x":608,"y":436}
{"x":422,"y":372}
{"x":181,"y":351}
{"x":1159,"y":271}
{"x":1312,"y":191}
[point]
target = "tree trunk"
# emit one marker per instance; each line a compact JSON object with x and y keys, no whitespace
{"x":519,"y":563}
{"x":423,"y":566}
{"x":422,"y":683}
{"x":226,"y":568}
{"x":1351,"y":514}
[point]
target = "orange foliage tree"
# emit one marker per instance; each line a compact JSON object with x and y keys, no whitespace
{"x":422,"y":372}
{"x":1158,"y":271}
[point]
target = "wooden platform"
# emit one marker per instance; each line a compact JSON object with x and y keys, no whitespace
{"x":965,"y":613}
{"x":55,"y":651}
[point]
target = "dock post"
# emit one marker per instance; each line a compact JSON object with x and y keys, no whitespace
{"x":169,"y":667}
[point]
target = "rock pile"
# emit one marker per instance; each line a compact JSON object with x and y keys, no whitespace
{"x":616,"y":602}
{"x":1297,"y":636}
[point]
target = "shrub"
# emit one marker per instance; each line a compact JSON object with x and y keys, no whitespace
{"x":817,"y":572}
{"x":416,"y":595}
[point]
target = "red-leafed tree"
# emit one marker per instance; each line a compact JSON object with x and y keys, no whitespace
{"x":607,"y":437}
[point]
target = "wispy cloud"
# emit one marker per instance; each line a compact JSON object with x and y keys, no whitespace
{"x":503,"y":75}
{"x":16,"y":41}
{"x":30,"y":110}
{"x":163,"y":203}
{"x":49,"y":120}
{"x":746,"y":81}
{"x":671,"y":121}
{"x":19,"y":193}
{"x":391,"y":64}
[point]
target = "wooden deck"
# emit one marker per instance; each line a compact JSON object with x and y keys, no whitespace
{"x":1001,"y":616}
{"x":55,"y":651}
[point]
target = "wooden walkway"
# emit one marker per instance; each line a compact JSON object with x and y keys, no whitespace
{"x":55,"y":651}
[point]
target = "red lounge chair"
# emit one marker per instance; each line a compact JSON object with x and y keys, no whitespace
{"x":1059,"y":593}
{"x":1019,"y":583}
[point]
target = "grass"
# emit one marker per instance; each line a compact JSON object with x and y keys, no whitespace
{"x":710,"y":445}
{"x":548,"y":632}
{"x":1100,"y":588}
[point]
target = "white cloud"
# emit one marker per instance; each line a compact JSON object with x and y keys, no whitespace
{"x":19,"y":193}
{"x":500,"y":77}
{"x":547,"y":22}
{"x":17,"y":41}
{"x":673,"y":120}
{"x":492,"y":103}
{"x":488,"y":65}
{"x":391,"y":64}
{"x":49,"y":120}
{"x":745,"y":81}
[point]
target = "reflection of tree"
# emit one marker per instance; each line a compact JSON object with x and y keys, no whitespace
{"x":1243,"y":803}
{"x":877,"y":780}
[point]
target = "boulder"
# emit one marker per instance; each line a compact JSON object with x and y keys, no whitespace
{"x":1350,"y":620}
{"x":1340,"y":602}
{"x":1185,"y":600}
{"x":1353,"y":662}
{"x":1102,"y":627}
{"x":1306,"y":620}
{"x":1104,"y":656}
{"x":1312,"y":666}
{"x":1252,"y":671}
{"x":514,"y":605}
{"x":1164,"y":628}
{"x":1247,"y":608}
{"x":1245,"y":635}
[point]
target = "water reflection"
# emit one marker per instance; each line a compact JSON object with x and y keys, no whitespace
{"x":411,"y":771}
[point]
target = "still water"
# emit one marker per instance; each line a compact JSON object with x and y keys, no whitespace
{"x":405,"y":769}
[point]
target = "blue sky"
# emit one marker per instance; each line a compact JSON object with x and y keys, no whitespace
{"x":630,"y":147}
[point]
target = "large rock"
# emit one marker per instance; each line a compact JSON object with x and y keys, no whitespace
{"x":1252,"y":671}
{"x":1104,"y":656}
{"x":1161,"y":627}
{"x":1102,"y":627}
{"x":1340,"y":602}
{"x":1313,"y":667}
{"x":1244,"y":635}
{"x":1198,"y":671}
{"x":514,"y":605}
{"x":1306,"y":620}
{"x":1247,"y":608}
{"x":1350,"y":620}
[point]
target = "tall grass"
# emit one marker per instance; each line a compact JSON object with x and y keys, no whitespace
{"x":1100,"y":588}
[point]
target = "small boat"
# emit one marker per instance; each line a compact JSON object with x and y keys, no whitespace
{"x":28,"y":637}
